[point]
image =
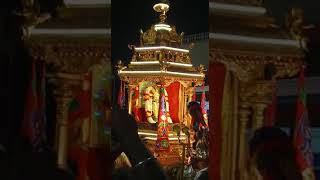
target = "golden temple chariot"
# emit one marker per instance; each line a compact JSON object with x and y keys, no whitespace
{"x":161,"y":60}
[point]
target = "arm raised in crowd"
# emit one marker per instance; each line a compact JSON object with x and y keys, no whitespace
{"x":125,"y":131}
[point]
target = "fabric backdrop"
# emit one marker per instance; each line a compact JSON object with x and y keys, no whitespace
{"x":173,"y":99}
{"x":216,"y":78}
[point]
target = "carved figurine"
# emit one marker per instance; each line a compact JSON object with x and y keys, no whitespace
{"x":149,"y":37}
{"x":296,"y":25}
{"x":32,"y":16}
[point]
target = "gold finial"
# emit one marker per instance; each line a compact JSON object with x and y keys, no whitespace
{"x":295,"y":23}
{"x":162,"y":7}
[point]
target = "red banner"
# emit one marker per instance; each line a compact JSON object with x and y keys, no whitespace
{"x":34,"y":121}
{"x":302,"y":134}
{"x":217,"y":72}
{"x":174,"y":100}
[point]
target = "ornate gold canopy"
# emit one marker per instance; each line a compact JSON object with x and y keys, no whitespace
{"x":160,"y":56}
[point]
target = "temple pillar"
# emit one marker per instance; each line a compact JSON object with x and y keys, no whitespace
{"x":63,"y":95}
{"x":258,"y":115}
{"x":130,"y":99}
{"x":235,"y":125}
{"x":244,"y":113}
{"x":181,"y":104}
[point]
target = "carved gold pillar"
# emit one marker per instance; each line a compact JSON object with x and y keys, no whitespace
{"x":188,"y":93}
{"x":244,"y":118}
{"x":234,"y":141}
{"x":130,"y":99}
{"x":186,"y":119}
{"x":261,"y":97}
{"x":258,"y":115}
{"x":63,"y":95}
{"x":181,"y":104}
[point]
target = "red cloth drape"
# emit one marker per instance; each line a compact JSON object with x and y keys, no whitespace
{"x":34,"y":120}
{"x":217,"y":72}
{"x":94,"y":163}
{"x":80,"y":156}
{"x":302,"y":133}
{"x":173,"y":99}
{"x":98,"y":165}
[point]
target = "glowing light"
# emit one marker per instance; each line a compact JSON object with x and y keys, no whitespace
{"x":180,"y":64}
{"x":147,"y":134}
{"x":145,"y":62}
{"x":157,"y":62}
{"x":161,"y":72}
{"x":185,"y":74}
{"x":155,"y":134}
{"x":160,"y":48}
{"x":161,"y":5}
{"x":170,"y":138}
{"x":175,"y":138}
{"x":139,"y":72}
{"x":163,"y":117}
{"x":162,"y":27}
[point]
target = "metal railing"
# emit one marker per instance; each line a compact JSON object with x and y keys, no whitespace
{"x":196,"y":37}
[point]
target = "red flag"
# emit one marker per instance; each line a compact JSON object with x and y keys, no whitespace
{"x":121,"y":95}
{"x":31,"y":105}
{"x":162,"y":143}
{"x":302,"y":134}
{"x":34,"y":121}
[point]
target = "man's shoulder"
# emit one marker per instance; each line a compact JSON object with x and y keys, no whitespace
{"x":203,"y":175}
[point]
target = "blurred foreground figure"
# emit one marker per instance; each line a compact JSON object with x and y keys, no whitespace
{"x":125,"y":135}
{"x":201,"y":137}
{"x":273,"y":154}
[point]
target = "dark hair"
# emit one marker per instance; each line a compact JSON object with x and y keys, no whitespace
{"x":194,"y":104}
{"x":275,"y":154}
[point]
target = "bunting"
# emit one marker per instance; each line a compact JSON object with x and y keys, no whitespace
{"x":162,"y":143}
{"x":302,"y":134}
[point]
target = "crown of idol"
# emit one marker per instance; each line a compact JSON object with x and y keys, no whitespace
{"x":161,"y":34}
